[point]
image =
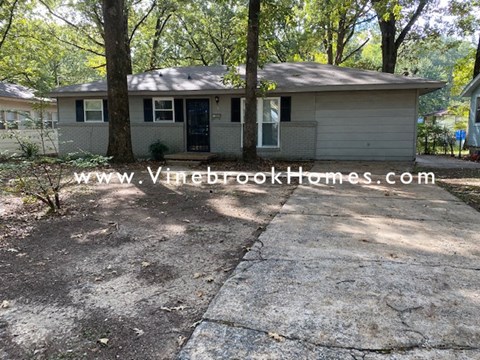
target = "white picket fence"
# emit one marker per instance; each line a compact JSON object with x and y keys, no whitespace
{"x":10,"y":145}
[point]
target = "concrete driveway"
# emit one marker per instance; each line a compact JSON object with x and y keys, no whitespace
{"x":353,"y":272}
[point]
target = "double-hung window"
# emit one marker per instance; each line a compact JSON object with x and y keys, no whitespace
{"x":11,"y":118}
{"x":50,"y":120}
{"x":163,"y":110}
{"x":268,"y":122}
{"x":93,"y":110}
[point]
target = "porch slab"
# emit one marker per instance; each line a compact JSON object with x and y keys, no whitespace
{"x":190,"y":157}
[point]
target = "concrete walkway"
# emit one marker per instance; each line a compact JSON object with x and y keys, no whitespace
{"x":353,"y":272}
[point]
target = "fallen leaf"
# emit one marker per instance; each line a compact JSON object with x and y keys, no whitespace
{"x":170,"y":309}
{"x":276,"y":336}
{"x":145,"y":264}
{"x":199,"y":294}
{"x":103,"y":341}
{"x":194,"y":325}
{"x":5,"y":304}
{"x":180,"y":340}
{"x":198,"y":275}
{"x":139,"y":332}
{"x":210,"y":279}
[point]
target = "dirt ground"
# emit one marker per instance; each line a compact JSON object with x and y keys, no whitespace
{"x":463,"y":183}
{"x":125,"y":271}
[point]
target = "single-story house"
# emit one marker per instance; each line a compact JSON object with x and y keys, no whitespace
{"x":445,"y":118}
{"x":19,"y":103}
{"x":473,"y":92}
{"x":315,"y":112}
{"x":20,"y":108}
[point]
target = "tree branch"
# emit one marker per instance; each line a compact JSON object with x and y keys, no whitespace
{"x":142,"y":20}
{"x":9,"y":22}
{"x":355,"y":51}
{"x":68,"y":22}
{"x":413,"y":19}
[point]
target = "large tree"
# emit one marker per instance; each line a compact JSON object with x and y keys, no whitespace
{"x":251,"y":82}
{"x":115,"y":25}
{"x":332,"y":24}
{"x":396,"y":19}
{"x":85,"y":18}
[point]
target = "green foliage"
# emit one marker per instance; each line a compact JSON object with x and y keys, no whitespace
{"x":430,"y":136}
{"x":158,"y":150}
{"x":86,"y":160}
{"x":41,"y":179}
{"x":437,"y":58}
{"x":30,"y":149}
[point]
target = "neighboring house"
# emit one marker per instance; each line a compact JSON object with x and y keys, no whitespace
{"x":473,"y":92}
{"x":19,"y":110}
{"x":316,"y":112}
{"x":445,"y":118}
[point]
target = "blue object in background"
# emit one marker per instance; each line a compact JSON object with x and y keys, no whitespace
{"x":460,"y":135}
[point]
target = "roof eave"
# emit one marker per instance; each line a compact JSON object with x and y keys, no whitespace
{"x":472,"y":85}
{"x":424,"y":88}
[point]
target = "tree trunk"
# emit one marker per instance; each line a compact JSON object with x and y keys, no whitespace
{"x":127,"y":38}
{"x":388,"y":26}
{"x":155,"y":45}
{"x":250,"y":125}
{"x":389,"y":48}
{"x":476,"y":68}
{"x":119,"y":136}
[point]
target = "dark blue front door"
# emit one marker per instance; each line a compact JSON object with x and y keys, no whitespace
{"x":198,"y":125}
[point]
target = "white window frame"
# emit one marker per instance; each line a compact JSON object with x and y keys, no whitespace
{"x":85,"y":111}
{"x":15,"y":120}
{"x":155,"y":110}
{"x":260,"y":121}
{"x":477,"y":112}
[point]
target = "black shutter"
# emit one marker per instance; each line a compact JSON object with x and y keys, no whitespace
{"x":286,"y":108}
{"x":148,"y":110}
{"x":178,"y":110}
{"x":105,"y":110}
{"x":236,"y":110}
{"x":79,"y":111}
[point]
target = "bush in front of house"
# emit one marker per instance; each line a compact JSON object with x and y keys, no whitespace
{"x":158,"y":150}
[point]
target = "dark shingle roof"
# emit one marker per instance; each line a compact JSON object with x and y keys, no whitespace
{"x":16,"y":91}
{"x":289,"y":77}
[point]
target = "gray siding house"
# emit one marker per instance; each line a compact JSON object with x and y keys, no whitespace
{"x":473,"y":92}
{"x":316,"y":112}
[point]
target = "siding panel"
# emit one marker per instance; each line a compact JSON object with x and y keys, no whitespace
{"x":366,"y":125}
{"x":474,"y":128}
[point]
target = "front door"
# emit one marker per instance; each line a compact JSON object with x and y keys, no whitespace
{"x":198,"y":125}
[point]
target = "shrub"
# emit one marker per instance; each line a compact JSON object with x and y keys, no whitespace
{"x":158,"y":150}
{"x":86,"y":160}
{"x":42,"y":179}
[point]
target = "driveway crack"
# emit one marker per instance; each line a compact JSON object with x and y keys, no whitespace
{"x":347,"y":348}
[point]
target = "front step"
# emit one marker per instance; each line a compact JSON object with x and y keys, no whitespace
{"x":189,"y":158}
